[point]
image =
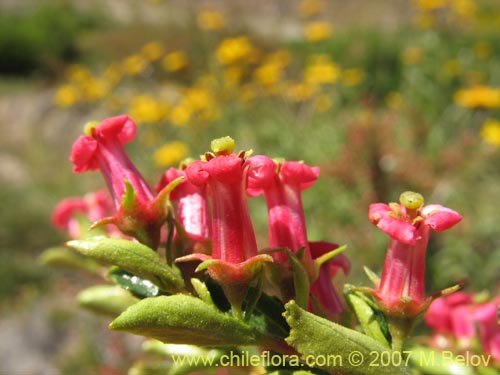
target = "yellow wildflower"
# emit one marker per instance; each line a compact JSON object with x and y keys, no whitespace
{"x":393,"y":100}
{"x":199,"y":98}
{"x":175,"y":61}
{"x":268,"y":73}
{"x":430,"y":5}
{"x":112,"y":74}
{"x":279,"y":57}
{"x":78,"y":73}
{"x":321,"y":71}
{"x":232,"y":76}
{"x":211,"y":20}
{"x":232,"y":50}
{"x":482,"y":50}
{"x":300,"y":92}
{"x":412,"y":55}
{"x":180,"y":115}
{"x":95,"y":89}
{"x":317,"y":31}
{"x":67,"y":95}
{"x":134,"y":65}
{"x":352,"y":77}
{"x":490,"y":132}
{"x":152,"y":51}
{"x":308,"y":8}
{"x":463,"y":8}
{"x":171,"y":154}
{"x":146,"y":109}
{"x":478,"y":97}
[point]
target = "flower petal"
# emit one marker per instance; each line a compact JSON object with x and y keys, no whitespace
{"x":378,"y":211}
{"x":119,"y":126}
{"x":82,"y":154}
{"x":296,"y":172}
{"x":399,"y":230}
{"x":261,"y":174}
{"x":439,"y":217}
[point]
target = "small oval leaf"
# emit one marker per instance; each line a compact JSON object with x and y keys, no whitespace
{"x":106,"y":299}
{"x":183,"y":319}
{"x":311,"y":335}
{"x":133,"y":257}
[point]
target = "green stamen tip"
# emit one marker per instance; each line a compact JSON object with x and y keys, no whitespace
{"x":222,"y":146}
{"x":411,"y":200}
{"x":89,"y":127}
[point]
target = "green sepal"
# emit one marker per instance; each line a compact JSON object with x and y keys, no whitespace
{"x":62,"y":257}
{"x":371,"y":319}
{"x":374,"y":278}
{"x":431,"y":362}
{"x":106,"y":299}
{"x":311,"y":335}
{"x":301,"y":281}
{"x":183,"y":319}
{"x":202,"y":291}
{"x":133,"y":257}
{"x":329,"y":255}
{"x":139,"y":287}
{"x":128,"y":200}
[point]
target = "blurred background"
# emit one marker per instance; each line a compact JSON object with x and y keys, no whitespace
{"x":384,"y":95}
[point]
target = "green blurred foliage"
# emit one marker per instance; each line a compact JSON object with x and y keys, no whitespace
{"x":42,"y":39}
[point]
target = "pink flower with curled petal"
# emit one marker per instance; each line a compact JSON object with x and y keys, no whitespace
{"x":458,"y":320}
{"x":401,"y":291}
{"x":234,"y":259}
{"x":191,"y":206}
{"x":138,"y":212}
{"x":282,"y":184}
{"x":70,"y":212}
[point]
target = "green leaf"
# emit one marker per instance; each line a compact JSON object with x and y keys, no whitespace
{"x":136,"y":285}
{"x":371,"y":320}
{"x":106,"y":299}
{"x":334,"y":347}
{"x":183,"y":319}
{"x":62,"y":257}
{"x":272,"y":310}
{"x":433,"y":362}
{"x":133,"y":257}
{"x":300,"y":280}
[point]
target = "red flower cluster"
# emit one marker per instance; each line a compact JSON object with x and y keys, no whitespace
{"x":458,"y":321}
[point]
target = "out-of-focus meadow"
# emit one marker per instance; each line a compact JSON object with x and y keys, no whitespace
{"x":384,"y":96}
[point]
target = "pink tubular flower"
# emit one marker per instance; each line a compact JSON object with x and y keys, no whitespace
{"x":138,"y":212}
{"x":234,"y":258}
{"x":68,"y":214}
{"x":459,"y":320}
{"x":401,"y":291}
{"x":191,"y":203}
{"x":282,"y":185}
{"x":325,"y":297}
